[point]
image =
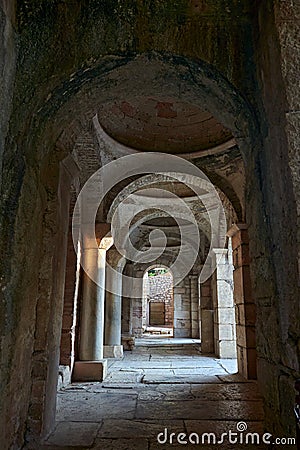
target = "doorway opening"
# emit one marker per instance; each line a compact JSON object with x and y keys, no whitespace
{"x":158,"y":302}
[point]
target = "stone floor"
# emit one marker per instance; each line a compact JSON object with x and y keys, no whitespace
{"x":162,"y":384}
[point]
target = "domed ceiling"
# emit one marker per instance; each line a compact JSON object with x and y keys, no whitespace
{"x":159,"y":124}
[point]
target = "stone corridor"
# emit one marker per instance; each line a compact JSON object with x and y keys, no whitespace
{"x":138,"y":135}
{"x":162,"y":383}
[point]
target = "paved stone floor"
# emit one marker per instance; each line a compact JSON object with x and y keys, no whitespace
{"x":164,"y":384}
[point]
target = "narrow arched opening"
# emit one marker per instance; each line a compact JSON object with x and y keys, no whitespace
{"x":158,"y":302}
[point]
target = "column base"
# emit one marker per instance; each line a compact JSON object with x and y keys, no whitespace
{"x":247,"y":362}
{"x":90,"y":370}
{"x":64,"y":376}
{"x":226,"y":349}
{"x":113,"y":351}
{"x":128,"y":342}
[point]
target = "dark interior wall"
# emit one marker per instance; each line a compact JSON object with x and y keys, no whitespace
{"x":8,"y":56}
{"x":64,"y":36}
{"x":278,"y":325}
{"x":57,"y":42}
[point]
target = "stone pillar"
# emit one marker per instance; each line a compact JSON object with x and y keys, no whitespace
{"x":92,"y":366}
{"x":195,"y":329}
{"x":92,"y":312}
{"x":137,"y":306}
{"x":224,"y":312}
{"x":206,"y":317}
{"x":67,"y":343}
{"x":182,"y":309}
{"x":245,"y":305}
{"x":127,"y":338}
{"x":145,"y":302}
{"x":137,"y":315}
{"x":113,"y":305}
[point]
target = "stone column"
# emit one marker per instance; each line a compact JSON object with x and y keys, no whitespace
{"x":113,"y":305}
{"x":92,"y":366}
{"x":127,"y":338}
{"x":137,"y":306}
{"x":206,"y":317}
{"x":137,"y":315}
{"x":245,"y":305}
{"x":224,"y":312}
{"x":195,"y":328}
{"x":182,"y":309}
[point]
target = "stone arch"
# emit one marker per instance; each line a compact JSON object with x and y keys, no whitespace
{"x":208,"y":85}
{"x":52,"y":138}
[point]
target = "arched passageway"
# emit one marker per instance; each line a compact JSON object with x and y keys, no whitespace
{"x":94,"y":341}
{"x":74,"y":309}
{"x":158,"y":302}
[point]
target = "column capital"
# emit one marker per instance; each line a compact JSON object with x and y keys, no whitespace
{"x":220,"y":251}
{"x":193,"y":276}
{"x":101,"y":230}
{"x":220,"y":256}
{"x":236,"y":227}
{"x":93,"y":240}
{"x":106,"y":242}
{"x":114,"y":258}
